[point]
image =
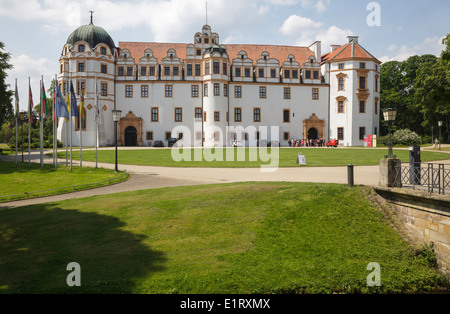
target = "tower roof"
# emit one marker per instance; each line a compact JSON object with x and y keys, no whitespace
{"x":93,"y":35}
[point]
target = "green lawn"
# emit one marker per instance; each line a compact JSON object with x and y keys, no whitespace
{"x":19,"y":179}
{"x":234,"y":238}
{"x":315,"y":157}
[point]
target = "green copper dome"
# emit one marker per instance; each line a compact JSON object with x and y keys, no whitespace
{"x":93,"y":35}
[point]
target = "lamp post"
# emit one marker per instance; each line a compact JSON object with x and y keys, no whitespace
{"x":22,"y":120}
{"x":440,"y":125}
{"x":116,"y":119}
{"x":389,"y":117}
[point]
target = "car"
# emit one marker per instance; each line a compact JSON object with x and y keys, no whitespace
{"x":172,"y":141}
{"x":158,"y":144}
{"x":333,"y":143}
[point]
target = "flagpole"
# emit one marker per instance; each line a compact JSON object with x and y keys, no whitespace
{"x":41,"y":124}
{"x":29,"y":122}
{"x":17,"y":121}
{"x":70,"y":117}
{"x":55,"y":130}
{"x":80,"y":126}
{"x":96,"y":123}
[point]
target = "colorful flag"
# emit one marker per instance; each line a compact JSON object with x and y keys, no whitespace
{"x":30,"y":106}
{"x":73,"y":102}
{"x":83,"y":112}
{"x":68,"y":104}
{"x":44,"y":105}
{"x":61,"y":107}
{"x":17,"y":101}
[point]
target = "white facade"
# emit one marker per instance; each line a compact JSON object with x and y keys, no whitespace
{"x":220,"y":93}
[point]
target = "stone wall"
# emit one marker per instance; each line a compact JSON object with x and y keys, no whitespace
{"x":425,"y":218}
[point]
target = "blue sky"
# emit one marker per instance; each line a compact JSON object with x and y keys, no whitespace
{"x":34,"y":31}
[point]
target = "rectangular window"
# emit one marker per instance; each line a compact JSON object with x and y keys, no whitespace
{"x":216,"y":116}
{"x":198,"y":114}
{"x":286,"y":136}
{"x":104,"y":89}
{"x":225,"y":90}
{"x":129,"y":91}
{"x":287,"y":74}
{"x":205,"y":116}
{"x":129,"y":71}
{"x":149,"y":136}
{"x":340,"y":132}
{"x":362,"y":82}
{"x":216,"y":89}
{"x":197,"y":69}
{"x":120,"y":71}
{"x":247,"y":72}
{"x":341,"y":83}
{"x":152,"y":71}
{"x":168,"y":135}
{"x":166,"y":71}
{"x":103,"y":50}
{"x":216,"y":67}
{"x":178,"y":115}
{"x":194,"y":91}
{"x":237,"y":92}
{"x":256,"y":115}
{"x":199,"y":52}
{"x":169,"y":91}
{"x":261,"y":73}
{"x":155,"y":114}
{"x":340,"y":106}
{"x":362,"y":65}
{"x":143,"y":71}
{"x":316,"y":75}
{"x":176,"y":71}
{"x":273,"y":73}
{"x":287,"y":93}
{"x":104,"y":68}
{"x":205,"y":90}
{"x":362,"y":106}
{"x":315,"y":93}
{"x":286,"y":116}
{"x":376,"y":106}
{"x":308,"y":75}
{"x":81,"y":86}
{"x":207,"y":68}
{"x":262,"y":92}
{"x":144,"y":91}
{"x":225,"y":69}
{"x":81,"y":67}
{"x":237,"y":114}
{"x":81,"y":48}
{"x":362,"y":133}
{"x":341,"y":66}
{"x":295,"y":74}
{"x":189,"y":69}
{"x":238,"y":72}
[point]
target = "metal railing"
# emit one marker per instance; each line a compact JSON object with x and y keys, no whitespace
{"x":433,"y":178}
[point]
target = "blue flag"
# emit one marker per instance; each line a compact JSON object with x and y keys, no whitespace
{"x":73,"y":102}
{"x":61,"y":106}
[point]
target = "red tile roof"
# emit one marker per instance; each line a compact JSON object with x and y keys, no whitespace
{"x":348,"y":51}
{"x":280,"y":53}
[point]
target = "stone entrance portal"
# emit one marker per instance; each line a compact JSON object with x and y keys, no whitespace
{"x":314,"y":128}
{"x":130,"y":131}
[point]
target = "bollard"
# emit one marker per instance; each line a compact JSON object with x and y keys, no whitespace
{"x":350,"y":176}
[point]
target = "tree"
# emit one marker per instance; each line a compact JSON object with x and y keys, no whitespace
{"x":6,"y":107}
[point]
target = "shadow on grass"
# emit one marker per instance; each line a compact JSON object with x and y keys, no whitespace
{"x":38,"y":242}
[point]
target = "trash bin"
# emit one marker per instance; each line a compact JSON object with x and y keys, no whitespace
{"x":414,"y":165}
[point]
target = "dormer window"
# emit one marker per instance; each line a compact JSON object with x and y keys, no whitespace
{"x":206,"y":40}
{"x":81,"y":48}
{"x":103,"y":50}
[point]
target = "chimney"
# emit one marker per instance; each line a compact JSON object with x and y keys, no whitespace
{"x":354,"y":38}
{"x":334,"y":47}
{"x":317,"y":49}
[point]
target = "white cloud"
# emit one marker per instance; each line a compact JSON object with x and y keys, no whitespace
{"x":431,"y":45}
{"x":305,"y":31}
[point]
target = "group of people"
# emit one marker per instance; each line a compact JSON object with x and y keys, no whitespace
{"x":307,"y":143}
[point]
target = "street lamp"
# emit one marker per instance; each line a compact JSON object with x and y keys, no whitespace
{"x":116,"y":119}
{"x":389,"y":117}
{"x":22,"y":120}
{"x":440,"y":125}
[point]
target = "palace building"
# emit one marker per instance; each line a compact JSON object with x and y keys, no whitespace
{"x":219,"y":92}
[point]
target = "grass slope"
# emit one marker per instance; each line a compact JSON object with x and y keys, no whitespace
{"x":236,"y":238}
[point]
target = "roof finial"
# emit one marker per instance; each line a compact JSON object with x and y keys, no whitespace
{"x":206,"y":12}
{"x":92,"y":16}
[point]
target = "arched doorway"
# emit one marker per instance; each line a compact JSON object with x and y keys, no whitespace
{"x":130,"y":136}
{"x":313,"y":134}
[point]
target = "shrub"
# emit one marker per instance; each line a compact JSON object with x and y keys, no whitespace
{"x":406,"y":137}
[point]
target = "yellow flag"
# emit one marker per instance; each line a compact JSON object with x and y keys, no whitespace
{"x":68,"y":104}
{"x":83,"y":112}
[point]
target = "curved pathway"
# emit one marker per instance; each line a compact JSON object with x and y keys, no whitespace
{"x":149,"y":177}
